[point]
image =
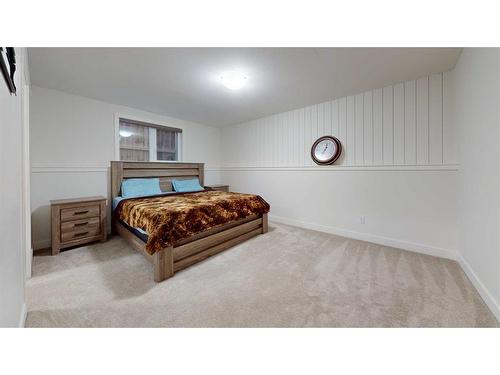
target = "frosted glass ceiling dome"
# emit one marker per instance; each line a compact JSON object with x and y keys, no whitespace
{"x":233,"y":79}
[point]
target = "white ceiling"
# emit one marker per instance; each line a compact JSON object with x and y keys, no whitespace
{"x":183,"y":82}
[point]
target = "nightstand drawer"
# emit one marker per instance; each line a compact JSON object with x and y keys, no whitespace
{"x":80,"y":234}
{"x":75,"y":213}
{"x":80,"y":225}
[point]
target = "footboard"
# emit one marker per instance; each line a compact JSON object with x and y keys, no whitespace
{"x":197,"y":250}
{"x":199,"y":247}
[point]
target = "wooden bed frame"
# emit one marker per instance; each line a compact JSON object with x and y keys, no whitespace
{"x":194,"y":249}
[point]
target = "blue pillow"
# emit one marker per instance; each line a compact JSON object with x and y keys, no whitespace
{"x":137,"y":187}
{"x":186,"y":186}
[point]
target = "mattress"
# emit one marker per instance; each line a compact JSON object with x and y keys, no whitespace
{"x":136,"y":231}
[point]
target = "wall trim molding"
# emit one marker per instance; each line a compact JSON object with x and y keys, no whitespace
{"x":485,"y":294}
{"x":23,"y":316}
{"x":448,"y":167}
{"x":368,"y":237}
{"x":98,"y":167}
{"x":79,"y":168}
{"x":73,"y":169}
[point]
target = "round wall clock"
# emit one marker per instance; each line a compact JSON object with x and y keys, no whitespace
{"x":326,"y":150}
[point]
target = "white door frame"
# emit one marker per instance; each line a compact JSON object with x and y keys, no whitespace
{"x":26,"y":171}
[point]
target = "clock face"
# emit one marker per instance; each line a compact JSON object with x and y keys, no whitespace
{"x":326,"y":150}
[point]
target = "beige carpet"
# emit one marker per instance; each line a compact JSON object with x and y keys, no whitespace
{"x":289,"y":277}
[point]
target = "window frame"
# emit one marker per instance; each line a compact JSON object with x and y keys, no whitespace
{"x":152,"y":124}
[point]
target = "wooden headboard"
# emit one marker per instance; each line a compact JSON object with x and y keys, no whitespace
{"x":166,"y":171}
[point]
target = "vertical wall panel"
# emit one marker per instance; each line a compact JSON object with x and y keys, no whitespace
{"x":378,"y":128}
{"x":278,"y":136}
{"x":388,"y":119}
{"x":449,"y":140}
{"x":335,"y":118}
{"x":314,"y":127}
{"x":405,"y":124}
{"x":399,"y":124}
{"x":368,"y":128}
{"x":350,"y":137}
{"x":321,"y":119}
{"x":268,"y":146}
{"x":286,"y":138}
{"x":328,"y":118}
{"x":283,"y":133}
{"x":291,"y":144}
{"x":253,"y":143}
{"x":272,"y":140}
{"x":257,"y":143}
{"x":423,"y":121}
{"x":342,"y":104}
{"x":249,"y":149}
{"x":358,"y":133}
{"x":309,"y":134}
{"x":436,"y":119}
{"x":294,"y":145}
{"x":302,"y":154}
{"x":410,"y":124}
{"x":275,"y":140}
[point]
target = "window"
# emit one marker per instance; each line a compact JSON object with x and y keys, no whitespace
{"x":140,"y":141}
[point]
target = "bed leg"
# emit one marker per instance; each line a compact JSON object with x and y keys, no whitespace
{"x":163,"y":262}
{"x":264,"y":223}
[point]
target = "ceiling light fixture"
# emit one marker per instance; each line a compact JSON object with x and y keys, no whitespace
{"x":233,"y":80}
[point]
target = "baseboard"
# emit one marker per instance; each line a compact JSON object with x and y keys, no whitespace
{"x":23,"y":315}
{"x":41,"y":244}
{"x":380,"y":240}
{"x":481,"y":288}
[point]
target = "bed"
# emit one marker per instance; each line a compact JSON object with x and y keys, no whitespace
{"x":223,"y":221}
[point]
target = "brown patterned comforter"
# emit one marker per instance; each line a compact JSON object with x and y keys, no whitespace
{"x":168,"y":219}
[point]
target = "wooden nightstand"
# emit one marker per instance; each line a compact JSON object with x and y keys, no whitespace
{"x":217,"y":187}
{"x":77,"y":221}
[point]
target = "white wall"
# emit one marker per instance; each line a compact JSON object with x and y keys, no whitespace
{"x":72,"y":143}
{"x":398,"y":168}
{"x":477,"y":114}
{"x":11,"y":234}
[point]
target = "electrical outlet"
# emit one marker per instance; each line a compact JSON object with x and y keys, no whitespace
{"x":362,"y":219}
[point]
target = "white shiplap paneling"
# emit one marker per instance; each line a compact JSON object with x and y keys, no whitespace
{"x":436,"y":119}
{"x":399,"y":124}
{"x":358,"y":131}
{"x":423,"y":121}
{"x":368,"y":137}
{"x":410,"y":124}
{"x":378,"y":128}
{"x":350,"y":148}
{"x":388,"y":121}
{"x":407,"y":124}
{"x":449,"y":132}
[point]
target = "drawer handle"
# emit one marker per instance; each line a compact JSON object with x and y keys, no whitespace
{"x":80,"y":234}
{"x":81,"y":212}
{"x":81,"y":224}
